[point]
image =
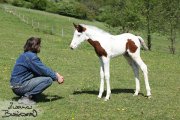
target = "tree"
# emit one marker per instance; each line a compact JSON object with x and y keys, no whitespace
{"x":148,"y":9}
{"x":172,"y":15}
{"x":168,"y":13}
{"x":120,"y":13}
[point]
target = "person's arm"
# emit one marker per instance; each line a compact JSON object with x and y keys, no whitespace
{"x":40,"y":69}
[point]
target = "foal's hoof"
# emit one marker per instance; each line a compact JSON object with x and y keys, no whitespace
{"x":135,"y":94}
{"x":149,"y":97}
{"x":98,"y":98}
{"x":106,"y":99}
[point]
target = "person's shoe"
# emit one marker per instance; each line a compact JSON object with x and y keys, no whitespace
{"x":26,"y":100}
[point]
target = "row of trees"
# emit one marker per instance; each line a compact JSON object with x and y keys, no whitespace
{"x":151,"y":15}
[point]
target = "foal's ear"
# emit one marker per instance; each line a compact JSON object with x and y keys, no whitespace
{"x":79,"y":28}
{"x":76,"y":26}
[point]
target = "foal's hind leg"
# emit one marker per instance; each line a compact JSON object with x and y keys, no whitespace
{"x":136,"y":72}
{"x":143,"y":67}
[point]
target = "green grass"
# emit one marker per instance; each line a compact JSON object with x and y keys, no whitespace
{"x":77,"y":97}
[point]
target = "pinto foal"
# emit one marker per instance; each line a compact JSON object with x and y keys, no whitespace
{"x":108,"y":46}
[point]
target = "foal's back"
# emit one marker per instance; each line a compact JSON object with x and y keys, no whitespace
{"x":118,"y":43}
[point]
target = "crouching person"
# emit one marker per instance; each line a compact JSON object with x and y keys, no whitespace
{"x":30,"y":76}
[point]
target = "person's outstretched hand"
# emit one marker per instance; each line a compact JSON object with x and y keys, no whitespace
{"x":60,"y":79}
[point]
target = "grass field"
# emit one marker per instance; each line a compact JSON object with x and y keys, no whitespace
{"x":77,"y":99}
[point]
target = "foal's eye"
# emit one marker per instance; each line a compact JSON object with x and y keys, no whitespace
{"x":79,"y":35}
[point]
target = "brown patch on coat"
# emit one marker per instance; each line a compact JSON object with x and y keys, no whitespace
{"x":131,"y":46}
{"x":100,"y":51}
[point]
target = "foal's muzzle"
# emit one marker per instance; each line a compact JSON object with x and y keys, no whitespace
{"x":71,"y":47}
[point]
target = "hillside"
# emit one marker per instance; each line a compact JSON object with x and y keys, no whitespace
{"x":77,"y":97}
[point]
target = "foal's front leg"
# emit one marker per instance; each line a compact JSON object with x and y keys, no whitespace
{"x":101,"y":89}
{"x":106,"y":62}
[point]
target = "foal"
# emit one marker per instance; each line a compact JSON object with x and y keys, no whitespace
{"x":108,"y":46}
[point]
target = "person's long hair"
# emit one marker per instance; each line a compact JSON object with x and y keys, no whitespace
{"x":33,"y":45}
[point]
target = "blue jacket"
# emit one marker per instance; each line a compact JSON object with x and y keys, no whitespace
{"x":28,"y":66}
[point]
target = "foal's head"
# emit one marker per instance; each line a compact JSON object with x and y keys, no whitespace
{"x":79,"y":36}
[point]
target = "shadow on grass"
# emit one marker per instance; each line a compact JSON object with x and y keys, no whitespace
{"x":113,"y":91}
{"x":42,"y":98}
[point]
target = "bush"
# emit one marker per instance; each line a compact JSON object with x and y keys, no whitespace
{"x":52,"y":7}
{"x":72,"y":9}
{"x":19,"y":3}
{"x":39,"y":4}
{"x":22,"y":3}
{"x":28,"y":4}
{"x":5,"y":1}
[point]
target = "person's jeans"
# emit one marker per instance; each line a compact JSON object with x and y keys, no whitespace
{"x":33,"y":87}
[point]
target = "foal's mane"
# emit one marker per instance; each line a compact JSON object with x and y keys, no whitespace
{"x":96,"y":29}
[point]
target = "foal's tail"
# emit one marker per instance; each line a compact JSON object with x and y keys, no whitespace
{"x":143,"y":43}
